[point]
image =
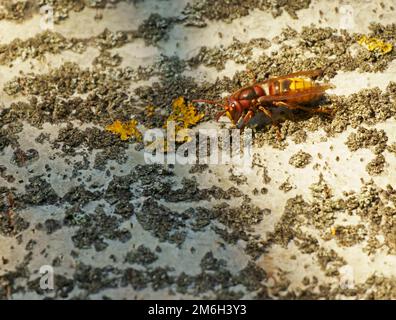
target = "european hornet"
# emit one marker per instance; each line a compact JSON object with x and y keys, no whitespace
{"x":291,"y":91}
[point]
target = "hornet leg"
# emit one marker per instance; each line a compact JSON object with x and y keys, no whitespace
{"x":249,"y":115}
{"x":274,"y":123}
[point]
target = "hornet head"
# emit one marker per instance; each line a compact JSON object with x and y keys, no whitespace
{"x":231,"y":108}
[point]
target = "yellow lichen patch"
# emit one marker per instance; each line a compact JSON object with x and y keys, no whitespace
{"x":125,"y":130}
{"x":185,"y":115}
{"x":333,"y":231}
{"x":374,"y":44}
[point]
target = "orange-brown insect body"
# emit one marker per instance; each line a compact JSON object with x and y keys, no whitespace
{"x":289,"y":91}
